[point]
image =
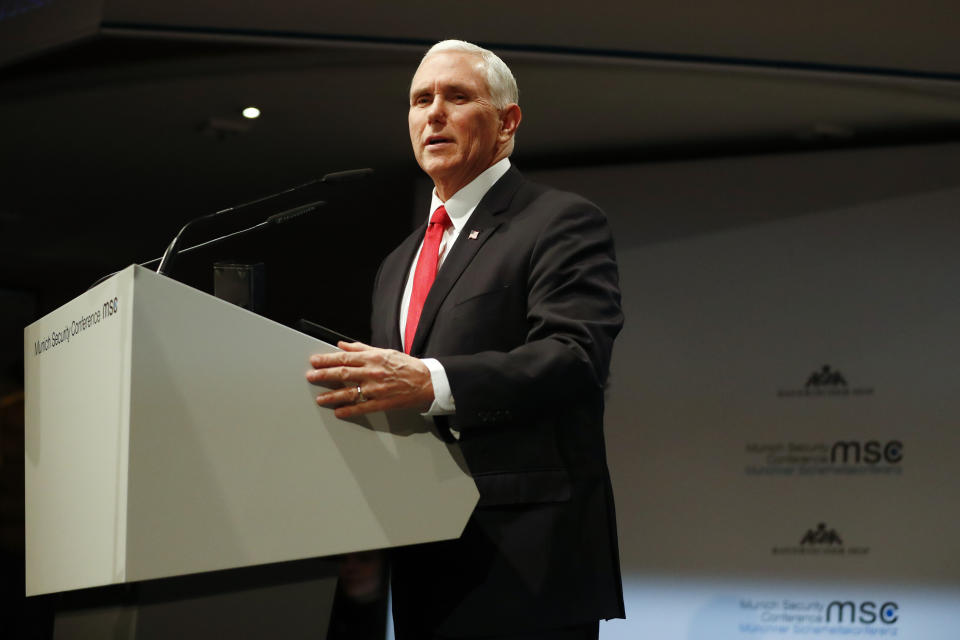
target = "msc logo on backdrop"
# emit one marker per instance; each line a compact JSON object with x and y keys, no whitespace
{"x":867,"y":612}
{"x":815,"y":458}
{"x":869,"y":452}
{"x":790,"y":617}
{"x":825,"y":381}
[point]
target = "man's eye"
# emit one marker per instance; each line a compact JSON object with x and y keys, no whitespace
{"x":422,"y":100}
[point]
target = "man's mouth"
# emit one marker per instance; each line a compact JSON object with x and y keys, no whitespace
{"x":432,"y":140}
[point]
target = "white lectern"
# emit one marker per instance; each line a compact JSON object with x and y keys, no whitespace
{"x":172,"y":433}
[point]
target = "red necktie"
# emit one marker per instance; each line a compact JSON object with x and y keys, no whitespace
{"x":425,"y":272}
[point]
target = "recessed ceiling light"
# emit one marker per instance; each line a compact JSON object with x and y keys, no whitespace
{"x":251,"y":113}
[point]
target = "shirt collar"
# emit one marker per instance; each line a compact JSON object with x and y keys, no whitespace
{"x":461,"y":204}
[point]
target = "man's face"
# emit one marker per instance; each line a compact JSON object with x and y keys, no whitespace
{"x":454,"y":127}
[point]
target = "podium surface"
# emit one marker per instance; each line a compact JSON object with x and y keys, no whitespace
{"x":169,"y":432}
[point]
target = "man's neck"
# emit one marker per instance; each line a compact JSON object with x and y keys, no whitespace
{"x":497,"y":169}
{"x":446,"y":189}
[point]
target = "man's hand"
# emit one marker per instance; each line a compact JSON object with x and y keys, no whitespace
{"x":388,"y":379}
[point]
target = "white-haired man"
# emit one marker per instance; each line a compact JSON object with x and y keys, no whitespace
{"x":498,"y":318}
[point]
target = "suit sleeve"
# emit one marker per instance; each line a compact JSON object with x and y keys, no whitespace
{"x":573,"y":315}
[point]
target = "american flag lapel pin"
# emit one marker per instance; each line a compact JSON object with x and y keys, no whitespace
{"x":474,"y":234}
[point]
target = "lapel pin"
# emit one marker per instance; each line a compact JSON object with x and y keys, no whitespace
{"x":473,"y":234}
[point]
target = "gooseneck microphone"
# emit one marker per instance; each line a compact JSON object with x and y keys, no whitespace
{"x":350,"y":175}
{"x":275,"y":219}
{"x":335,"y":178}
{"x":330,"y":178}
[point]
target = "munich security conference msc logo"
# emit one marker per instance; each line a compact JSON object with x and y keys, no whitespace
{"x":825,"y":381}
{"x":817,"y":458}
{"x":816,"y":617}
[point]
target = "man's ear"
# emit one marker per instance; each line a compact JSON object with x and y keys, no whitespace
{"x":510,"y":117}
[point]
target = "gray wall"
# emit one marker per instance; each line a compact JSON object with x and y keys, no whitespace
{"x":741,"y":277}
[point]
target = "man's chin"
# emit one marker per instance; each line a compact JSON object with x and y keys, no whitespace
{"x":438,"y":167}
{"x":441,"y":158}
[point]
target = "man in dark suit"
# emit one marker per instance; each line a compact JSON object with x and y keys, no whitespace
{"x":497,"y":318}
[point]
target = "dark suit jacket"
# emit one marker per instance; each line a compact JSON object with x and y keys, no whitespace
{"x":523,"y":319}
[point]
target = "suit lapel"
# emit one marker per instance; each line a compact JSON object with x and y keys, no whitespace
{"x":393,"y":282}
{"x":484,"y":221}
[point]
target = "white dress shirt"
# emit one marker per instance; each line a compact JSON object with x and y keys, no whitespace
{"x":459,"y":207}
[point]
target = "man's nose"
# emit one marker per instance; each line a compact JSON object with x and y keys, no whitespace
{"x":437,"y":112}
